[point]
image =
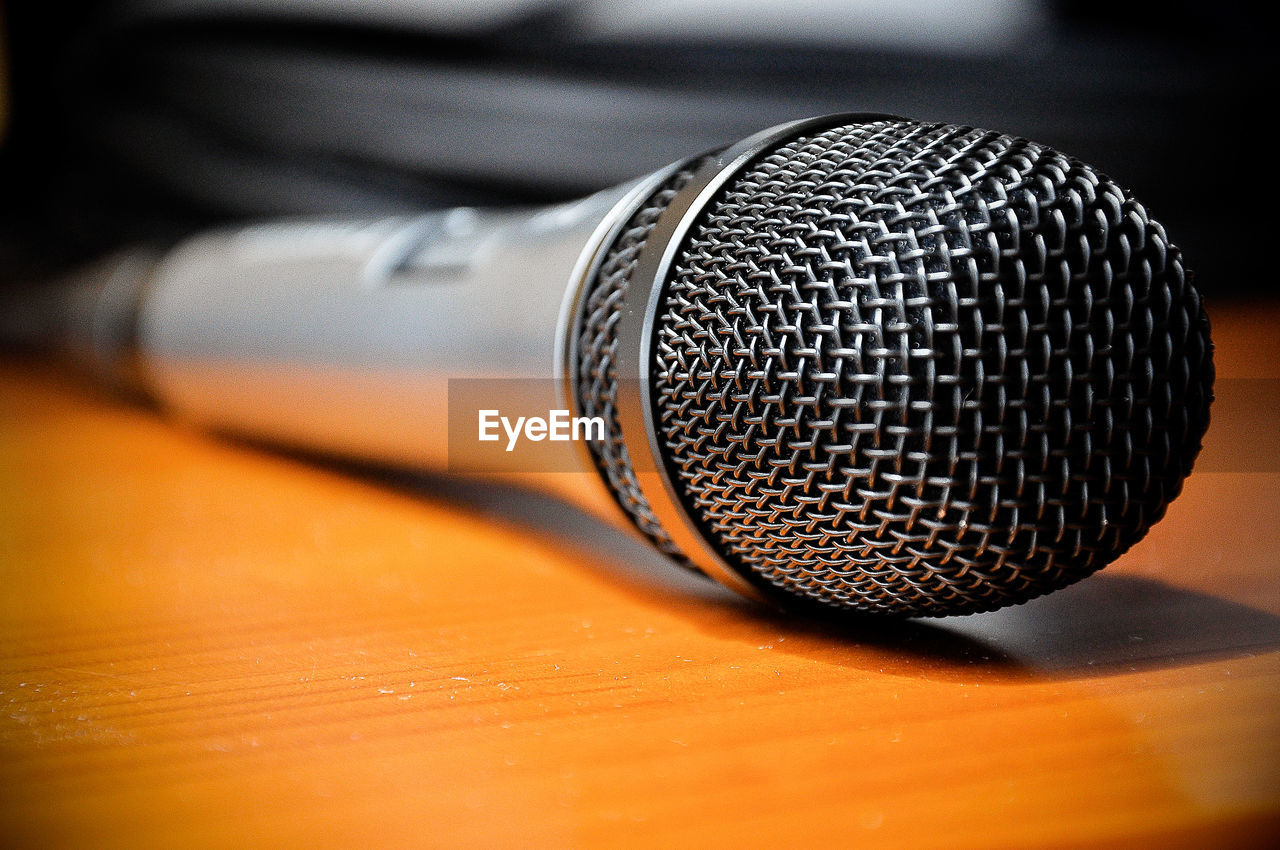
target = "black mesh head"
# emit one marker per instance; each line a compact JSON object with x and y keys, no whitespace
{"x":926,"y":369}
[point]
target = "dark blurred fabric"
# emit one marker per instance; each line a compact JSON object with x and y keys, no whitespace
{"x":129,"y":125}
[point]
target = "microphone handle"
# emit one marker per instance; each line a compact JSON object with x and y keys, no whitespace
{"x":340,"y":337}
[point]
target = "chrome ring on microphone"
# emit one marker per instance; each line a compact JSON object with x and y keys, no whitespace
{"x":636,"y":329}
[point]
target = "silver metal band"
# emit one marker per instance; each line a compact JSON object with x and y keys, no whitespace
{"x":571,"y":311}
{"x":636,"y":326}
{"x":636,"y":329}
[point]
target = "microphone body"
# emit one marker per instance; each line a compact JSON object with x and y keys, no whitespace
{"x":854,"y":363}
{"x":342,"y":336}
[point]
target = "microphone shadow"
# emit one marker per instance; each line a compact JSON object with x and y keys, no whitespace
{"x":1115,"y":623}
{"x":1107,"y":624}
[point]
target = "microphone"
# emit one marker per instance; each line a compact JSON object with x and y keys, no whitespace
{"x":855,"y":363}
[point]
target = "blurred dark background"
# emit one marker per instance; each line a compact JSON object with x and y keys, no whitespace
{"x":142,"y":121}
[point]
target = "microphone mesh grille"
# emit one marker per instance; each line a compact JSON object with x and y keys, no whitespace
{"x":927,"y":369}
{"x":597,"y":372}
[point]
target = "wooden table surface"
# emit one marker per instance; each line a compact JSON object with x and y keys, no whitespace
{"x":204,"y":644}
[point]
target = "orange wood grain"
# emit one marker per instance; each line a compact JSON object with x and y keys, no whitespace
{"x":204,"y":644}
